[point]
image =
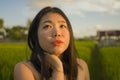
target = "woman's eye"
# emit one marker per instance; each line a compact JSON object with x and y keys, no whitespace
{"x":63,"y":26}
{"x":47,"y":26}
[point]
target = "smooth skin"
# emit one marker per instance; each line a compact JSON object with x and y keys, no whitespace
{"x":54,"y":37}
{"x":52,"y":28}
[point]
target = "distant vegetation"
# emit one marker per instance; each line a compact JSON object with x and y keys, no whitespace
{"x":15,"y":33}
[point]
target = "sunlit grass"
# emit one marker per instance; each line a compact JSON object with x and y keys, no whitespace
{"x":109,"y":57}
{"x":10,"y":54}
{"x":84,"y":49}
{"x":111,"y":62}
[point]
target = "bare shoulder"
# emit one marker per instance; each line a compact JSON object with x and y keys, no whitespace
{"x":83,"y":70}
{"x":22,"y":72}
{"x":82,"y":63}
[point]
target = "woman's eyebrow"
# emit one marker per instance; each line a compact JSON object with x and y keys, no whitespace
{"x":47,"y":21}
{"x":61,"y":21}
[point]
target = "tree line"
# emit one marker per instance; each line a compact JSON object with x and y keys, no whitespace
{"x":16,"y":33}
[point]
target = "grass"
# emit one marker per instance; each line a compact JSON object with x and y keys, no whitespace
{"x":10,"y":54}
{"x":84,"y":49}
{"x":103,"y":63}
{"x":111,"y":62}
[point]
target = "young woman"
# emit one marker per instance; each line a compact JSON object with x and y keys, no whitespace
{"x":53,"y":57}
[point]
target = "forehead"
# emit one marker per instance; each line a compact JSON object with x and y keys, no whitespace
{"x":53,"y":17}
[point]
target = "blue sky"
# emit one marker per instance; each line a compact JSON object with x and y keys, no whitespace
{"x":86,"y":16}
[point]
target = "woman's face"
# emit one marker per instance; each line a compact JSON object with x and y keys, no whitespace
{"x":53,"y":34}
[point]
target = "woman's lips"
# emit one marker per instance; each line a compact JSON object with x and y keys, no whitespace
{"x":57,"y":42}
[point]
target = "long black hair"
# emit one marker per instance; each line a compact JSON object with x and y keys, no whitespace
{"x":38,"y":57}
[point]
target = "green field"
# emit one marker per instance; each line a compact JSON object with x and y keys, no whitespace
{"x":10,"y":54}
{"x":111,"y":62}
{"x":104,"y":63}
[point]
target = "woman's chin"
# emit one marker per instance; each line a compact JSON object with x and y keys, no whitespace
{"x":56,"y":53}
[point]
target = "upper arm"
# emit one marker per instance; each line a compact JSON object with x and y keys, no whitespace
{"x":22,"y":72}
{"x":84,"y":67}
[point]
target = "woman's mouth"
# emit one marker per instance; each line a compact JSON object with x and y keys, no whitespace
{"x":57,"y":42}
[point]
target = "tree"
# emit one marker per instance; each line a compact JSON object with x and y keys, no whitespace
{"x":17,"y":33}
{"x":1,"y":23}
{"x":29,"y":21}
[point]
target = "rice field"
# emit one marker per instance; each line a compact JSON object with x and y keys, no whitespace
{"x":111,"y":62}
{"x":103,"y":63}
{"x":10,"y":54}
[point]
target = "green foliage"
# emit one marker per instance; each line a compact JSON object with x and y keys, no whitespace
{"x":103,"y":63}
{"x":1,"y":33}
{"x":17,"y":33}
{"x":111,"y":62}
{"x":11,"y":54}
{"x":1,"y":23}
{"x":84,"y":49}
{"x":29,"y":21}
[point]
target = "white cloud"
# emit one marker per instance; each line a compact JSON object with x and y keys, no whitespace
{"x":98,"y":27}
{"x":78,"y":7}
{"x":91,"y":7}
{"x":99,"y":5}
{"x":66,"y":0}
{"x":36,"y":5}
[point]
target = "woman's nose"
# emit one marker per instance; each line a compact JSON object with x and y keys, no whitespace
{"x":56,"y":32}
